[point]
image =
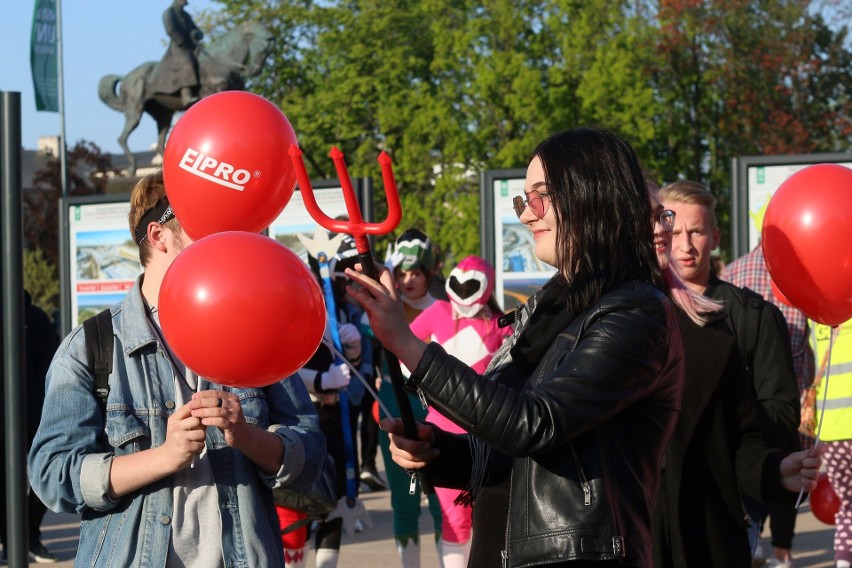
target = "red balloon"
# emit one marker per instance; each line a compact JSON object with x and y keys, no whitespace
{"x":824,"y":501}
{"x":241,"y":309}
{"x":226,"y":166}
{"x":376,"y":411}
{"x":779,"y":295}
{"x":806,"y":240}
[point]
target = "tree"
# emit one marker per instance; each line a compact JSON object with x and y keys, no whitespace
{"x":745,"y":77}
{"x":454,"y":87}
{"x":40,"y":280}
{"x":41,"y":213}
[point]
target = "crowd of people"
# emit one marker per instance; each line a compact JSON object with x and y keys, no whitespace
{"x":638,"y":410}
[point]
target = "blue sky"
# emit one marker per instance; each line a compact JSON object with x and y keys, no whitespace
{"x":100,"y":37}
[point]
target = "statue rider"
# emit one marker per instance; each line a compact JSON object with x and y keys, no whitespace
{"x":179,"y":68}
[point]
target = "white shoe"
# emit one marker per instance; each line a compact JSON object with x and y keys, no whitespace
{"x":775,"y":563}
{"x":40,"y":554}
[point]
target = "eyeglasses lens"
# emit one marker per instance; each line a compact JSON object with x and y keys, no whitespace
{"x":518,"y":204}
{"x":667,"y":220}
{"x":535,"y":202}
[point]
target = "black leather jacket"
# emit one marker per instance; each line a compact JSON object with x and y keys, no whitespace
{"x":586,"y":432}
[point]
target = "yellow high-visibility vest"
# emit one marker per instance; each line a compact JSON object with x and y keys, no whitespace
{"x":837,"y":419}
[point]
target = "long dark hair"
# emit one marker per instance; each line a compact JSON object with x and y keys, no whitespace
{"x":603,"y":212}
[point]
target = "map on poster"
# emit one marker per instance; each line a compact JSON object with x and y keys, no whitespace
{"x":104,"y":260}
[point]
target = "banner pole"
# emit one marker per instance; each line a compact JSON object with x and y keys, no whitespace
{"x":63,"y":146}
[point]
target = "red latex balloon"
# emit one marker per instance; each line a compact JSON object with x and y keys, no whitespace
{"x":806,"y":240}
{"x":779,"y":295}
{"x":241,"y":309}
{"x":824,"y":501}
{"x":376,"y":411}
{"x":226,"y":166}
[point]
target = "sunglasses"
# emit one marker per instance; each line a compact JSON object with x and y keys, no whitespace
{"x":536,"y":202}
{"x":666,"y":219}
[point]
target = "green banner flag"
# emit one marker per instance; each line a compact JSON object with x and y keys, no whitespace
{"x":43,"y":56}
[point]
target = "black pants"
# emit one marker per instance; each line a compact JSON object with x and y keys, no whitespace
{"x":35,"y":508}
{"x":369,"y":433}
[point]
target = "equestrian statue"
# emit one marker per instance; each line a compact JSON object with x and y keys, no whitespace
{"x":189,"y":71}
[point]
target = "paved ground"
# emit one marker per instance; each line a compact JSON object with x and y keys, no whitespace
{"x":375,"y":547}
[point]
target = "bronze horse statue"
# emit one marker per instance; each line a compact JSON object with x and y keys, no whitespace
{"x":223,"y":65}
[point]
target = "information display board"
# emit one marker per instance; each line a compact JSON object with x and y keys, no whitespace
{"x":295,"y":219}
{"x":506,"y":242}
{"x":100,"y":261}
{"x":754,"y":180}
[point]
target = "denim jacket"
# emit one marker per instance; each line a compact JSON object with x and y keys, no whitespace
{"x":70,"y":458}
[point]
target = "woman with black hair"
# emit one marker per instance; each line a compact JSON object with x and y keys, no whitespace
{"x":568,"y":425}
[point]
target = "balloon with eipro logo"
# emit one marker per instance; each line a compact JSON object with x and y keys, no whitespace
{"x":226,"y":166}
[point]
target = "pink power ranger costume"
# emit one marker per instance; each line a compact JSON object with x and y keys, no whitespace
{"x":466,"y":327}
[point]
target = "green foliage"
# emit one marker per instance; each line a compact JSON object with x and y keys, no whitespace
{"x":87,"y":167}
{"x":451,"y":88}
{"x":41,"y":281}
{"x":743,"y":78}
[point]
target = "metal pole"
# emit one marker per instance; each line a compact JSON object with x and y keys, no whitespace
{"x":64,"y":272}
{"x":63,"y":147}
{"x":11,"y":241}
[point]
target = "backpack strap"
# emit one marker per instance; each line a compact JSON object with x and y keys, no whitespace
{"x":99,"y":348}
{"x":747,"y":324}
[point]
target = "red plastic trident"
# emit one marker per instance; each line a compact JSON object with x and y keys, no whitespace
{"x":359,"y":229}
{"x":355,"y":226}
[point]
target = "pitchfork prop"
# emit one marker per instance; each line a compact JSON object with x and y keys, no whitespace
{"x":359,"y":229}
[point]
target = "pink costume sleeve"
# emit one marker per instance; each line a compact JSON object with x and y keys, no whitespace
{"x":424,"y":324}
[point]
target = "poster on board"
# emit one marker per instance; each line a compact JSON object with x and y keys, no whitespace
{"x":755,"y":179}
{"x":103,"y":259}
{"x":506,"y":242}
{"x":295,"y":219}
{"x":100,"y":261}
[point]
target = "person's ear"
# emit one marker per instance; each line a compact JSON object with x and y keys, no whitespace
{"x":717,"y":237}
{"x":156,"y":236}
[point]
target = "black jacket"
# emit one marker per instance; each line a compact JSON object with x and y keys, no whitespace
{"x":716,"y":453}
{"x":586,"y":431}
{"x":764,"y":341}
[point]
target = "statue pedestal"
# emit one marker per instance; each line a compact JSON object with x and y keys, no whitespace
{"x":147,"y":163}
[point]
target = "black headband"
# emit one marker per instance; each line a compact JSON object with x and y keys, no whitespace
{"x":160,"y":213}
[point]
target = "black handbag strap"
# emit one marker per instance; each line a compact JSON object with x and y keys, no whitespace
{"x":99,"y":348}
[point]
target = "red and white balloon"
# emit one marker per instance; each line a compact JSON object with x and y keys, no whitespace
{"x":226,"y":166}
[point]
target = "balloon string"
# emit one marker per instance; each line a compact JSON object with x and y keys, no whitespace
{"x":364,"y":381}
{"x":197,"y":389}
{"x":834,"y":333}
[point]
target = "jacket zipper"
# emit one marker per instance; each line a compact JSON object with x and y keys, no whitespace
{"x":584,"y":483}
{"x":504,"y":554}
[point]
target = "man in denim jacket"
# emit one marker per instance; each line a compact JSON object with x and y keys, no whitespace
{"x":176,"y":471}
